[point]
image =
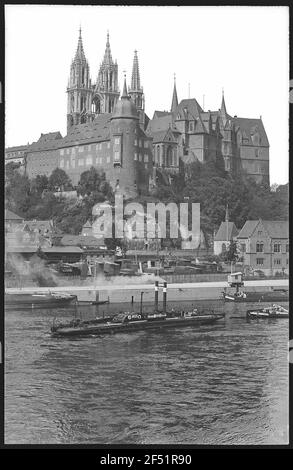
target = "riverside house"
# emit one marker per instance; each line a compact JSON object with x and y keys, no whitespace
{"x":264,"y":245}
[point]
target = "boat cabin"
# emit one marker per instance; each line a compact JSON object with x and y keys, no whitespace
{"x":235,"y":279}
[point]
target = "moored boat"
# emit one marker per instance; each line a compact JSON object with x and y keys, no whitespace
{"x":275,"y":311}
{"x":128,"y":322}
{"x":264,"y":296}
{"x":38,"y":299}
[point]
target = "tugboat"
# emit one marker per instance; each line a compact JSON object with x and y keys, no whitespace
{"x":39,"y":299}
{"x":235,"y":280}
{"x":275,"y":311}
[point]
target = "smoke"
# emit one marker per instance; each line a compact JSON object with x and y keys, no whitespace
{"x":145,"y":278}
{"x":33,"y":270}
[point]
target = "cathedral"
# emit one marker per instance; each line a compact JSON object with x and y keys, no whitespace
{"x":111,"y":132}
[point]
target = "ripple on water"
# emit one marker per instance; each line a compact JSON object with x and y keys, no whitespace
{"x":220,"y":384}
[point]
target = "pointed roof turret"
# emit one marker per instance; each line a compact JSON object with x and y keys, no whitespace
{"x":135,"y":78}
{"x":223,"y":105}
{"x":79,"y":55}
{"x":124,"y":107}
{"x":125,"y":92}
{"x":174,"y":97}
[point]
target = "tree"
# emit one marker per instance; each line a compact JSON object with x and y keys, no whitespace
{"x":59,"y":181}
{"x":231,"y":255}
{"x":94,"y":186}
{"x":39,"y":184}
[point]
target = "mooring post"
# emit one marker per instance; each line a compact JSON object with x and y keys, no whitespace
{"x":132,"y":300}
{"x":165,"y":297}
{"x":156,"y":295}
{"x":141,"y":296}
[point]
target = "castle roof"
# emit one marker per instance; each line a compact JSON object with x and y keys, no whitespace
{"x":159,"y":114}
{"x":161,"y":124}
{"x":274,"y":228}
{"x":164,"y":136}
{"x":95,"y":131}
{"x":248,"y":127}
{"x":192,"y":107}
{"x":48,"y":141}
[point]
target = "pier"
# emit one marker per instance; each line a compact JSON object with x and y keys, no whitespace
{"x":176,"y":292}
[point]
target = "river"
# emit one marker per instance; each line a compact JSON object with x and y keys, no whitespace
{"x":220,"y":384}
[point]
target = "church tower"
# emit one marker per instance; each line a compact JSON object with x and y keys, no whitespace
{"x":136,"y":91}
{"x":79,"y":90}
{"x":106,"y":92}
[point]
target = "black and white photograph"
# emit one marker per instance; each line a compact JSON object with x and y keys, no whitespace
{"x":146,"y":226}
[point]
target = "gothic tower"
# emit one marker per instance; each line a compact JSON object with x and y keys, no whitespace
{"x":79,"y":90}
{"x":106,"y":92}
{"x":136,"y":91}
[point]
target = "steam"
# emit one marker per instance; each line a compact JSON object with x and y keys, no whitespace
{"x":34,"y":270}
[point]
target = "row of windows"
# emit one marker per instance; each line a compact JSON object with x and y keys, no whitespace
{"x":277,"y":261}
{"x":276,"y":247}
{"x":83,"y":148}
{"x":141,"y":143}
{"x":140,"y":157}
{"x":83,"y":161}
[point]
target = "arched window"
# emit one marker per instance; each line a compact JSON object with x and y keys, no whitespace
{"x":259,"y":247}
{"x":158,"y":154}
{"x":169,"y":156}
{"x":96,"y":105}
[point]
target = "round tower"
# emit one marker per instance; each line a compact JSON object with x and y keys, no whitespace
{"x":124,"y":132}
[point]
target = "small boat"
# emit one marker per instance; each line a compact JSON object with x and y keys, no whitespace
{"x":100,"y":302}
{"x":39,"y":299}
{"x":265,"y":296}
{"x":275,"y":311}
{"x":127,"y":322}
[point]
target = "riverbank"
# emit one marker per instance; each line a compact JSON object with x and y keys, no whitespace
{"x":177,"y":291}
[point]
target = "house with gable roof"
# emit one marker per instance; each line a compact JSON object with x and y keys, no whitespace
{"x":264,"y":245}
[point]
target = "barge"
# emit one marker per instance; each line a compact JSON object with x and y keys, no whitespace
{"x":25,"y":300}
{"x":129,"y":322}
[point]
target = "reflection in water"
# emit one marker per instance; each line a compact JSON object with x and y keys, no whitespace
{"x":220,"y":384}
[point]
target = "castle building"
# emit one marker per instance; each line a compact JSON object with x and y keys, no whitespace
{"x":188,"y":133}
{"x":116,"y":136}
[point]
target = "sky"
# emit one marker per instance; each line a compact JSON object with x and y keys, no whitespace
{"x":241,"y":50}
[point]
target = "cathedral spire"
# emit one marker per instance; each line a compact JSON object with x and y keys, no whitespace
{"x":135,"y":78}
{"x":79,"y":55}
{"x":108,"y":56}
{"x":174,"y":97}
{"x":136,"y":91}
